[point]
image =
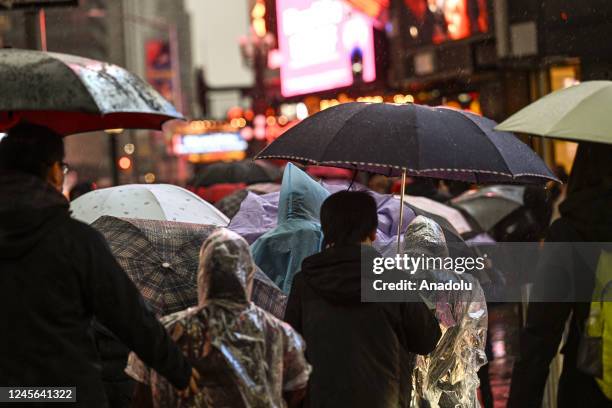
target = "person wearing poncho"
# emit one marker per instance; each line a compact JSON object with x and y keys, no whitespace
{"x":280,"y":252}
{"x":245,"y":357}
{"x":447,"y":377}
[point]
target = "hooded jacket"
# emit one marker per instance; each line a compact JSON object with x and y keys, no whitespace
{"x":280,"y":251}
{"x":361,"y":353}
{"x":586,"y":216}
{"x":56,"y":274}
{"x":245,"y":356}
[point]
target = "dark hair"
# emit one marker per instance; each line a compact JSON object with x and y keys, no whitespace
{"x":31,"y":149}
{"x":348,"y":217}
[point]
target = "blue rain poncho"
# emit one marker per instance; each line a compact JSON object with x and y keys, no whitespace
{"x":280,"y":251}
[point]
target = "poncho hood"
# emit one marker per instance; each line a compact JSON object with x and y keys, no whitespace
{"x":300,"y":196}
{"x":226,"y":269}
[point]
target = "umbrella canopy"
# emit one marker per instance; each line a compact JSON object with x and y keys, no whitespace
{"x":162,"y":257}
{"x":580,"y":113}
{"x":450,"y":214}
{"x":489,"y":205}
{"x":245,"y":171}
{"x":418,"y":140}
{"x":71,"y":94}
{"x":161,"y":202}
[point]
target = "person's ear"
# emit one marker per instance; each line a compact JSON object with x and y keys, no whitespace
{"x":55,"y":176}
{"x":372,"y":236}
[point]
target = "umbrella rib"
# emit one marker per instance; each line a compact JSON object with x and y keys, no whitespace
{"x":65,"y":65}
{"x":551,"y":129}
{"x":488,"y":139}
{"x":341,"y":128}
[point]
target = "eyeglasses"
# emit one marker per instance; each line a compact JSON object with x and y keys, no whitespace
{"x":65,"y":168}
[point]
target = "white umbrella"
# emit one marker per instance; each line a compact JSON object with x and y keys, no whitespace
{"x":580,"y":113}
{"x":162,"y":202}
{"x":452,"y":215}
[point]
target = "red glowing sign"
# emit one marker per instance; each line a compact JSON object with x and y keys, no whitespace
{"x":438,"y":21}
{"x":324,"y":44}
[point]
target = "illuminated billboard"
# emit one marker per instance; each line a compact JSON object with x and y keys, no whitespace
{"x":438,"y":21}
{"x":324,"y":44}
{"x":215,"y":142}
{"x":159,"y":68}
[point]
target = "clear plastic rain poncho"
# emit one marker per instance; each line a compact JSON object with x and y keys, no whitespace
{"x":244,"y":355}
{"x":447,"y":377}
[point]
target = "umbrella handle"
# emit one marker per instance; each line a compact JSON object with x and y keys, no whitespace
{"x":401,"y":214}
{"x":352,"y":180}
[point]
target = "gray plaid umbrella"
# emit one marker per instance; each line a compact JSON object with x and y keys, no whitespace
{"x":161,"y":258}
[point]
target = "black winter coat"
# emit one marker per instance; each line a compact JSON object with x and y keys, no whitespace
{"x":586,"y":217}
{"x":361,"y":353}
{"x":56,"y":274}
{"x":119,"y":387}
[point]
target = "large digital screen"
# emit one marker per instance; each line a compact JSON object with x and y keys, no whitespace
{"x":324,"y":44}
{"x":216,"y":142}
{"x":438,"y":21}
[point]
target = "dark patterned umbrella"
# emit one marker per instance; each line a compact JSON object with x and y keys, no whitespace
{"x":161,"y":258}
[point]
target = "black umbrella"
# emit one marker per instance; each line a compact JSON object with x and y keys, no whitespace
{"x":410,"y":139}
{"x":489,"y":205}
{"x":246,"y":171}
{"x":423,"y":141}
{"x":71,"y":94}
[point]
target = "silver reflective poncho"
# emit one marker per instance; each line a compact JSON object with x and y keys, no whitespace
{"x":245,"y":356}
{"x":447,"y":377}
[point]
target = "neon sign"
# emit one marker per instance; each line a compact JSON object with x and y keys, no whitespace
{"x":324,"y":44}
{"x":209,"y":143}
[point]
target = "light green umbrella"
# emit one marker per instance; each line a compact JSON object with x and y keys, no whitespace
{"x":581,"y":113}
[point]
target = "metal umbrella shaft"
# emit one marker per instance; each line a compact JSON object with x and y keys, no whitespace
{"x":401,"y":214}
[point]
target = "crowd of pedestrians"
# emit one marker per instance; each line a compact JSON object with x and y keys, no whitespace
{"x":64,"y":297}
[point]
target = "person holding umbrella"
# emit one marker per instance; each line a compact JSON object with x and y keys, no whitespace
{"x":362,"y":353}
{"x":57,"y":274}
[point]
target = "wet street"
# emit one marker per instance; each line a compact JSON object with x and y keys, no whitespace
{"x":504,"y":330}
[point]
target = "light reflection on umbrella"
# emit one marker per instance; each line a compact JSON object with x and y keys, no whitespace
{"x":71,"y":94}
